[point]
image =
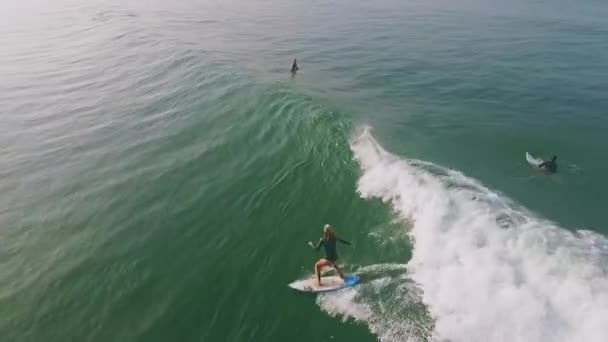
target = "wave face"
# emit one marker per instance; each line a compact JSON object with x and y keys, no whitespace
{"x":488,"y":269}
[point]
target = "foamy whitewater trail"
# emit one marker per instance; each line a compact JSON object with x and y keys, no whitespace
{"x":386,"y":300}
{"x":488,"y":269}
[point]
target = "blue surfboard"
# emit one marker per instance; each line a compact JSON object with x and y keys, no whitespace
{"x":332,"y":283}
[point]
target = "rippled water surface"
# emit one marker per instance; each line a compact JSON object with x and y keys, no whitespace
{"x":161,"y":170}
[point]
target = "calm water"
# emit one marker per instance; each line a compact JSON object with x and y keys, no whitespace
{"x":161,"y":171}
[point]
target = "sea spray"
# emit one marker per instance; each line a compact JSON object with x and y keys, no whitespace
{"x":488,"y":269}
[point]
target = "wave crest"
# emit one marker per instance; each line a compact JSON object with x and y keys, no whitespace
{"x":489,"y":270}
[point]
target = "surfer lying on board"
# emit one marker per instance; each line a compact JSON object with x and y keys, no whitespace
{"x":549,"y":165}
{"x":328,"y":241}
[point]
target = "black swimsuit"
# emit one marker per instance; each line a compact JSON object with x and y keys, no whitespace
{"x":329,"y":245}
{"x":550,"y":166}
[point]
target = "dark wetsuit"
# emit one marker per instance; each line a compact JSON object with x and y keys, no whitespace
{"x":549,"y":165}
{"x":331,"y":252}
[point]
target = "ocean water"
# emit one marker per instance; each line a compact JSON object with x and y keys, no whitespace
{"x":162,"y":171}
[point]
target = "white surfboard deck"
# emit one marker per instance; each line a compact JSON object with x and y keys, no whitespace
{"x":533,"y":160}
{"x":331,"y":283}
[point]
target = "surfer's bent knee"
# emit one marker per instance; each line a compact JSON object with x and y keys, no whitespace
{"x":324,"y":262}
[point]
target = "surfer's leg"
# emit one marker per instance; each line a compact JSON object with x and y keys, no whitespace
{"x":320,"y":264}
{"x":340,"y":273}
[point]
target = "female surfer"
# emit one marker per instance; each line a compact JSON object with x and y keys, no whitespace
{"x":328,"y":241}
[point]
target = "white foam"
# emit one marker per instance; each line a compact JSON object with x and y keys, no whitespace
{"x":489,"y":269}
{"x":373,"y":302}
{"x":344,"y":303}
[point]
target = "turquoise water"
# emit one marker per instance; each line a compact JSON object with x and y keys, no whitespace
{"x":162,"y":172}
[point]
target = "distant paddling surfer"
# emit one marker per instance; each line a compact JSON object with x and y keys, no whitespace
{"x":549,"y":165}
{"x":294,"y":66}
{"x":328,"y":241}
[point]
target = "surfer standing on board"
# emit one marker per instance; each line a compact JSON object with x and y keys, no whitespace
{"x":328,"y":241}
{"x":549,"y":165}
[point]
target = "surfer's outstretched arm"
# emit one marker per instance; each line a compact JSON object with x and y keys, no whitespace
{"x":318,"y":246}
{"x":343,"y":241}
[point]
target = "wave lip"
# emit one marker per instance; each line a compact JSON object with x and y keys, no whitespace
{"x":489,"y":270}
